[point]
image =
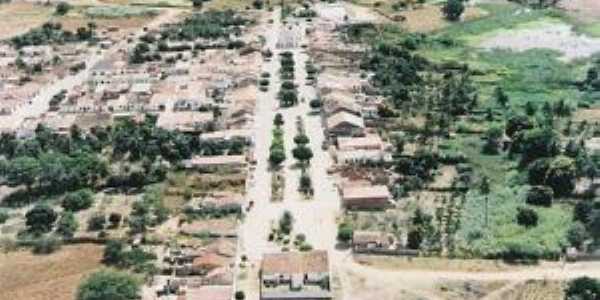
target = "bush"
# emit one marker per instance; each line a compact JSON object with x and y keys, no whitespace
{"x":62,"y":8}
{"x":345,"y":233}
{"x":527,"y":217}
{"x":577,"y":234}
{"x":46,"y":245}
{"x":540,"y":196}
{"x":453,"y":9}
{"x":67,"y":225}
{"x":239,"y":295}
{"x":104,"y":285}
{"x":414,"y":239}
{"x":97,"y":222}
{"x":40,"y":218}
{"x":114,"y":219}
{"x":583,"y":288}
{"x":4,"y":216}
{"x":79,"y":200}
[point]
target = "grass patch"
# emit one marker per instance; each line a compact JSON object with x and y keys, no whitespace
{"x":503,"y":234}
{"x":119,"y":11}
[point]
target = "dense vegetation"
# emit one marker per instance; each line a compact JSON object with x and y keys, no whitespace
{"x":206,"y":25}
{"x":49,"y":164}
{"x":503,"y":120}
{"x":53,"y":33}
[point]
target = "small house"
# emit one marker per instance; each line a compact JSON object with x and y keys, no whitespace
{"x":374,"y":197}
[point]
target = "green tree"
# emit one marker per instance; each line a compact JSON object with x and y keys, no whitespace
{"x":278,"y":121}
{"x":67,"y":225}
{"x":527,"y":217}
{"x":540,"y":196}
{"x":493,"y":137}
{"x":583,"y":288}
{"x":276,"y":157}
{"x":453,"y":9}
{"x":301,"y":139}
{"x":577,"y":234}
{"x":62,"y":8}
{"x":501,"y":97}
{"x":41,"y":218}
{"x":197,"y":3}
{"x":109,"y":285}
{"x":593,"y":224}
{"x":113,"y":253}
{"x":302,"y":153}
{"x":561,"y":176}
{"x":78,"y":200}
{"x":345,"y":233}
{"x":23,"y":170}
{"x":286,"y":222}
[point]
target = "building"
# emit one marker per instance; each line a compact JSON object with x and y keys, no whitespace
{"x":345,"y":124}
{"x":295,"y":275}
{"x":369,"y":148}
{"x":371,"y":240}
{"x":185,"y":121}
{"x":373,"y":197}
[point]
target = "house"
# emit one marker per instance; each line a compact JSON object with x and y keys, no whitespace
{"x":345,"y":124}
{"x":295,"y":275}
{"x":373,"y":197}
{"x":369,"y":148}
{"x":337,"y":101}
{"x":220,"y":163}
{"x":371,"y":240}
{"x":244,"y":135}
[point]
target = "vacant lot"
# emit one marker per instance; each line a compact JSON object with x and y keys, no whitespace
{"x":24,"y":276}
{"x":19,"y":17}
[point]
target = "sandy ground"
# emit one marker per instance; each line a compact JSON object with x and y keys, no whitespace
{"x":554,"y":36}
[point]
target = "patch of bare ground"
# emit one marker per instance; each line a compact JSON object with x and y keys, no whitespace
{"x":467,"y":290}
{"x":433,"y":263}
{"x":532,"y":290}
{"x":25,"y":276}
{"x":19,"y":17}
{"x":428,"y":18}
{"x":591,"y":115}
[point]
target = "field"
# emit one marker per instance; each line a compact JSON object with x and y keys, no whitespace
{"x":19,"y":17}
{"x":25,"y":276}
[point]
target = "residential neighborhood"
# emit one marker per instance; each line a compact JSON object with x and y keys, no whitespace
{"x":301,"y":150}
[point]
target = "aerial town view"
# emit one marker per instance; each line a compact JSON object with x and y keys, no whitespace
{"x":299,"y":149}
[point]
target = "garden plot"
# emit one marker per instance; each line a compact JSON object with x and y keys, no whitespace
{"x":549,"y":35}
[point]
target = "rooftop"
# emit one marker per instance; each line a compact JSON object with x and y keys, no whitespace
{"x":295,"y":262}
{"x":362,"y":192}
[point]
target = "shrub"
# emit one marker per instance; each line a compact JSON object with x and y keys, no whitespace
{"x":583,"y":288}
{"x":540,"y":196}
{"x":3,"y":217}
{"x":453,"y":9}
{"x":345,"y":233}
{"x":414,"y":239}
{"x":97,"y":222}
{"x":79,"y":200}
{"x":527,"y":217}
{"x":577,"y":234}
{"x":40,"y":218}
{"x":46,"y":245}
{"x":62,"y":8}
{"x":239,"y":295}
{"x":67,"y":225}
{"x":114,"y":219}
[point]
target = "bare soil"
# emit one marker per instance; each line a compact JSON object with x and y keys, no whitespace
{"x":25,"y":276}
{"x":19,"y":17}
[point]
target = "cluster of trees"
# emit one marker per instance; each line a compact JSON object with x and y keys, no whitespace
{"x":148,"y":211}
{"x":107,"y":284}
{"x":116,"y":255}
{"x":62,"y":8}
{"x":53,"y":33}
{"x":277,"y":150}
{"x":206,"y":25}
{"x":592,"y":80}
{"x":288,"y":93}
{"x":583,"y":288}
{"x":422,"y":232}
